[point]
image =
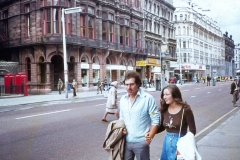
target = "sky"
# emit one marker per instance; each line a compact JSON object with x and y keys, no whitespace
{"x":226,"y":13}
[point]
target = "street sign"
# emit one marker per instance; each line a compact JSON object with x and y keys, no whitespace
{"x":73,"y":10}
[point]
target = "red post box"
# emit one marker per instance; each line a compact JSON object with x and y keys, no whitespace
{"x":21,"y":83}
{"x":9,"y":82}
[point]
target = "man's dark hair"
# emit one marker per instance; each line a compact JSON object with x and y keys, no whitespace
{"x":135,"y":75}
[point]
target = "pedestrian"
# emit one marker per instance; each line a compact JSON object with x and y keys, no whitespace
{"x":111,"y":106}
{"x":74,"y":86}
{"x":140,"y":114}
{"x":234,"y":92}
{"x":172,"y":109}
{"x":175,"y":80}
{"x":99,"y":86}
{"x":105,"y":84}
{"x":59,"y":85}
{"x":208,"y":80}
{"x":172,"y":81}
{"x":203,"y":80}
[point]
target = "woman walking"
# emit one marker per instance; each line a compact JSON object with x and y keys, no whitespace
{"x":173,"y":111}
{"x":111,"y":106}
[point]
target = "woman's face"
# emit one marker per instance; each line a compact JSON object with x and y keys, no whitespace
{"x":167,"y":96}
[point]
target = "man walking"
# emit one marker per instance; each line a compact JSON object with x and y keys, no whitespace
{"x":99,"y":86}
{"x":234,"y":92}
{"x":105,"y":83}
{"x":208,"y":80}
{"x":140,"y":114}
{"x":74,"y":86}
{"x":59,"y":85}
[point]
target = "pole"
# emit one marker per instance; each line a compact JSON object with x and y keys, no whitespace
{"x":180,"y":62}
{"x":161,"y":71}
{"x":64,"y":55}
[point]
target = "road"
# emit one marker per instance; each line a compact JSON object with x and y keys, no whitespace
{"x":63,"y":130}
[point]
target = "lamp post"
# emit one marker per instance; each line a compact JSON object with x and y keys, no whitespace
{"x":66,"y":11}
{"x":180,"y":61}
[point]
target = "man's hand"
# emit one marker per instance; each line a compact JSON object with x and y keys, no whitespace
{"x":148,"y":139}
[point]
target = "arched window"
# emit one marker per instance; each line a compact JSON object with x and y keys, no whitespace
{"x":28,"y":68}
{"x":130,"y":63}
{"x":184,"y":30}
{"x":179,"y":30}
{"x":181,"y":17}
{"x":187,"y":31}
{"x":84,"y":59}
{"x":96,"y":60}
{"x":122,"y":62}
{"x":108,"y":60}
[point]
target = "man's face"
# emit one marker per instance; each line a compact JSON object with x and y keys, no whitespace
{"x":131,"y":86}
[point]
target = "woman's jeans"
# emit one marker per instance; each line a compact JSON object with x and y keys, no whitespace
{"x":170,"y":146}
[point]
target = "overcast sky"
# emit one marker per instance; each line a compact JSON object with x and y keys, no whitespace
{"x":226,"y":13}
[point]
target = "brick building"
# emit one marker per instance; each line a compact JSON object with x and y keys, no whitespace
{"x":104,"y":40}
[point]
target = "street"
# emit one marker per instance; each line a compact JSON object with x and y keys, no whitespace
{"x":74,"y":130}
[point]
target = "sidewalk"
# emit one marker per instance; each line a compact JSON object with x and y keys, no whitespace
{"x":53,"y":96}
{"x":223,"y":143}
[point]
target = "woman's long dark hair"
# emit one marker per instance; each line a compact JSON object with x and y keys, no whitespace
{"x":177,"y":97}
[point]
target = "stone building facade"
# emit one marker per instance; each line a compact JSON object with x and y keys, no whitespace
{"x":159,"y":40}
{"x":104,"y":40}
{"x":200,"y":47}
{"x":229,"y":55}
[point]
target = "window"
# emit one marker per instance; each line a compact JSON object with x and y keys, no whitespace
{"x":127,"y":36}
{"x":184,"y":30}
{"x":104,"y":15}
{"x":104,"y":30}
{"x":91,"y":10}
{"x":110,"y":17}
{"x":124,"y":31}
{"x":82,"y":26}
{"x":121,"y":34}
{"x":181,"y":17}
{"x":27,"y":20}
{"x":56,"y":21}
{"x":5,"y":24}
{"x":137,"y":41}
{"x":111,"y":31}
{"x":175,"y":17}
{"x":184,"y":44}
{"x":90,"y":27}
{"x":107,"y":27}
{"x":52,"y":21}
{"x":136,"y":3}
{"x":179,"y":31}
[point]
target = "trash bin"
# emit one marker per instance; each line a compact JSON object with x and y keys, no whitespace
{"x":69,"y":87}
{"x":213,"y":82}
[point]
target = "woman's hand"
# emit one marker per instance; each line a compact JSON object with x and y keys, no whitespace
{"x":178,"y":153}
{"x":124,"y":131}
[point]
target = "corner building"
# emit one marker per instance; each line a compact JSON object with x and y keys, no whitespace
{"x":103,"y":40}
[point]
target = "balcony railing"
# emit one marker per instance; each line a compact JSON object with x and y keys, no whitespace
{"x":70,"y":40}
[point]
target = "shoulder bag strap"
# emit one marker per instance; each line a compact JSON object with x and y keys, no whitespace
{"x":181,"y":124}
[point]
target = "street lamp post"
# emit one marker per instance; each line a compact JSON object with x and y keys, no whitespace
{"x":66,"y":11}
{"x":180,"y":62}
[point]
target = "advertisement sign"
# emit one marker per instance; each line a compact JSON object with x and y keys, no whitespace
{"x":140,"y":63}
{"x":164,"y":49}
